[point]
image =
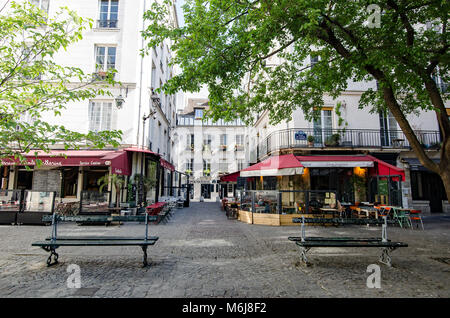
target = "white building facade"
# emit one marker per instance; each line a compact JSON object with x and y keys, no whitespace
{"x":145,"y":117}
{"x":206,"y":150}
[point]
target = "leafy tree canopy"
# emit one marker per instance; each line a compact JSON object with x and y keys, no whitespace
{"x":31,"y":83}
{"x":227,"y":44}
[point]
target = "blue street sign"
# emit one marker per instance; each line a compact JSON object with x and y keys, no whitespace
{"x":300,"y":135}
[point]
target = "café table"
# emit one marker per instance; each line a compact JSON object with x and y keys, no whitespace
{"x":331,"y":211}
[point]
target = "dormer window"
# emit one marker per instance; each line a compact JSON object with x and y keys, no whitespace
{"x":198,"y":113}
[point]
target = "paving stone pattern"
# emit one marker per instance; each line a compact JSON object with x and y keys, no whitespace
{"x":201,"y":253}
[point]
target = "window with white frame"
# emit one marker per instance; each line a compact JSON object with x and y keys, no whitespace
{"x":206,"y":167}
{"x":105,"y":58}
{"x":189,"y":166}
{"x":240,"y":164}
{"x":239,"y":140}
{"x":109,"y":11}
{"x":41,"y":4}
{"x":314,"y":60}
{"x":100,"y":115}
{"x":223,"y":139}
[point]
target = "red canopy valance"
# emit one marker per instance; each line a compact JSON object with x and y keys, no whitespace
{"x":231,"y":177}
{"x":284,"y":165}
{"x":118,"y":160}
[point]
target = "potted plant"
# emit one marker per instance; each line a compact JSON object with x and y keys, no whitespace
{"x":188,"y":172}
{"x":310,"y":140}
{"x":333,"y":140}
{"x":206,"y":172}
{"x":117,"y":180}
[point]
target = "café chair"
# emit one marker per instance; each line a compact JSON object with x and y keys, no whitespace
{"x":414,"y":215}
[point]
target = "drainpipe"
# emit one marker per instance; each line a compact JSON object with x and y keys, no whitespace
{"x":140,"y":105}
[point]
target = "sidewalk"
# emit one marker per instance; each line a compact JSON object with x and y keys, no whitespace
{"x":201,"y":253}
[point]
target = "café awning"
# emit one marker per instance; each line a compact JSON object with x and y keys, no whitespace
{"x":336,"y":161}
{"x":284,"y":165}
{"x":164,"y":163}
{"x":416,"y":165}
{"x":385,"y":169}
{"x":231,"y":177}
{"x":375,"y":165}
{"x":167,"y":165}
{"x":118,"y":160}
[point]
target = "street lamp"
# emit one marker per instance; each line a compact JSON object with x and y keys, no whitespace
{"x":155,"y":99}
{"x":120,"y":99}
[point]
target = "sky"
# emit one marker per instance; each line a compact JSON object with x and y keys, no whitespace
{"x":179,"y":3}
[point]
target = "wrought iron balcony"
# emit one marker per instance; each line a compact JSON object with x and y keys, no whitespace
{"x":344,"y":138}
{"x":111,"y":24}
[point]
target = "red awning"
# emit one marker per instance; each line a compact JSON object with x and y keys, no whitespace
{"x":135,"y":149}
{"x":231,"y":177}
{"x":327,"y":161}
{"x":76,"y":158}
{"x":284,"y":165}
{"x":385,"y":169}
{"x":375,"y":165}
{"x":164,"y":163}
{"x":119,"y":162}
{"x":167,"y":165}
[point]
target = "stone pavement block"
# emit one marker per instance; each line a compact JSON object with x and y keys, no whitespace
{"x":201,"y":253}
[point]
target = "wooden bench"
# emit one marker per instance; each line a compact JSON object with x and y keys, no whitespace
{"x":306,"y":243}
{"x":50,"y":244}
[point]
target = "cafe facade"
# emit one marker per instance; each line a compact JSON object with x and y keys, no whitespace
{"x":69,"y":172}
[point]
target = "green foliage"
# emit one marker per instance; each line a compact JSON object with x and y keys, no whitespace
{"x":310,"y":138}
{"x":32,"y":84}
{"x":333,"y":140}
{"x":118,"y":181}
{"x":226,"y":44}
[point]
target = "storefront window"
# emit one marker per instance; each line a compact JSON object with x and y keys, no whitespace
{"x":269,"y":183}
{"x":151,"y":175}
{"x":91,"y":176}
{"x":24,"y":179}
{"x":70,"y":182}
{"x":4,"y":172}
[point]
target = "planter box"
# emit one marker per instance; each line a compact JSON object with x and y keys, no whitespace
{"x":278,"y":219}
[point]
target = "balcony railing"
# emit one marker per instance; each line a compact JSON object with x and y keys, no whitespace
{"x":101,"y":24}
{"x":238,"y":147}
{"x":344,"y":138}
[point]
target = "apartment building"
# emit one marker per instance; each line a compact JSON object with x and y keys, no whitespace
{"x":145,"y":117}
{"x":342,"y":129}
{"x":207,"y":150}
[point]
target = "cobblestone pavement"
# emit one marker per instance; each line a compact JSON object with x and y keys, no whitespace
{"x":202,"y":254}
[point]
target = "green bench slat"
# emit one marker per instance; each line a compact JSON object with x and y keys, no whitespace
{"x":94,"y":243}
{"x":350,"y":244}
{"x":100,"y":218}
{"x":338,"y":239}
{"x":102,"y":238}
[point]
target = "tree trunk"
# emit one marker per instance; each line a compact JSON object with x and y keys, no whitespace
{"x":445,"y":176}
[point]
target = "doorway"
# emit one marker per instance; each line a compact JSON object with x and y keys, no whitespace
{"x":24,"y":179}
{"x":206,"y":190}
{"x":426,"y":185}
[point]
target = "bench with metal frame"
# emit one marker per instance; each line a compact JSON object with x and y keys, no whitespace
{"x":50,"y":244}
{"x":306,"y":243}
